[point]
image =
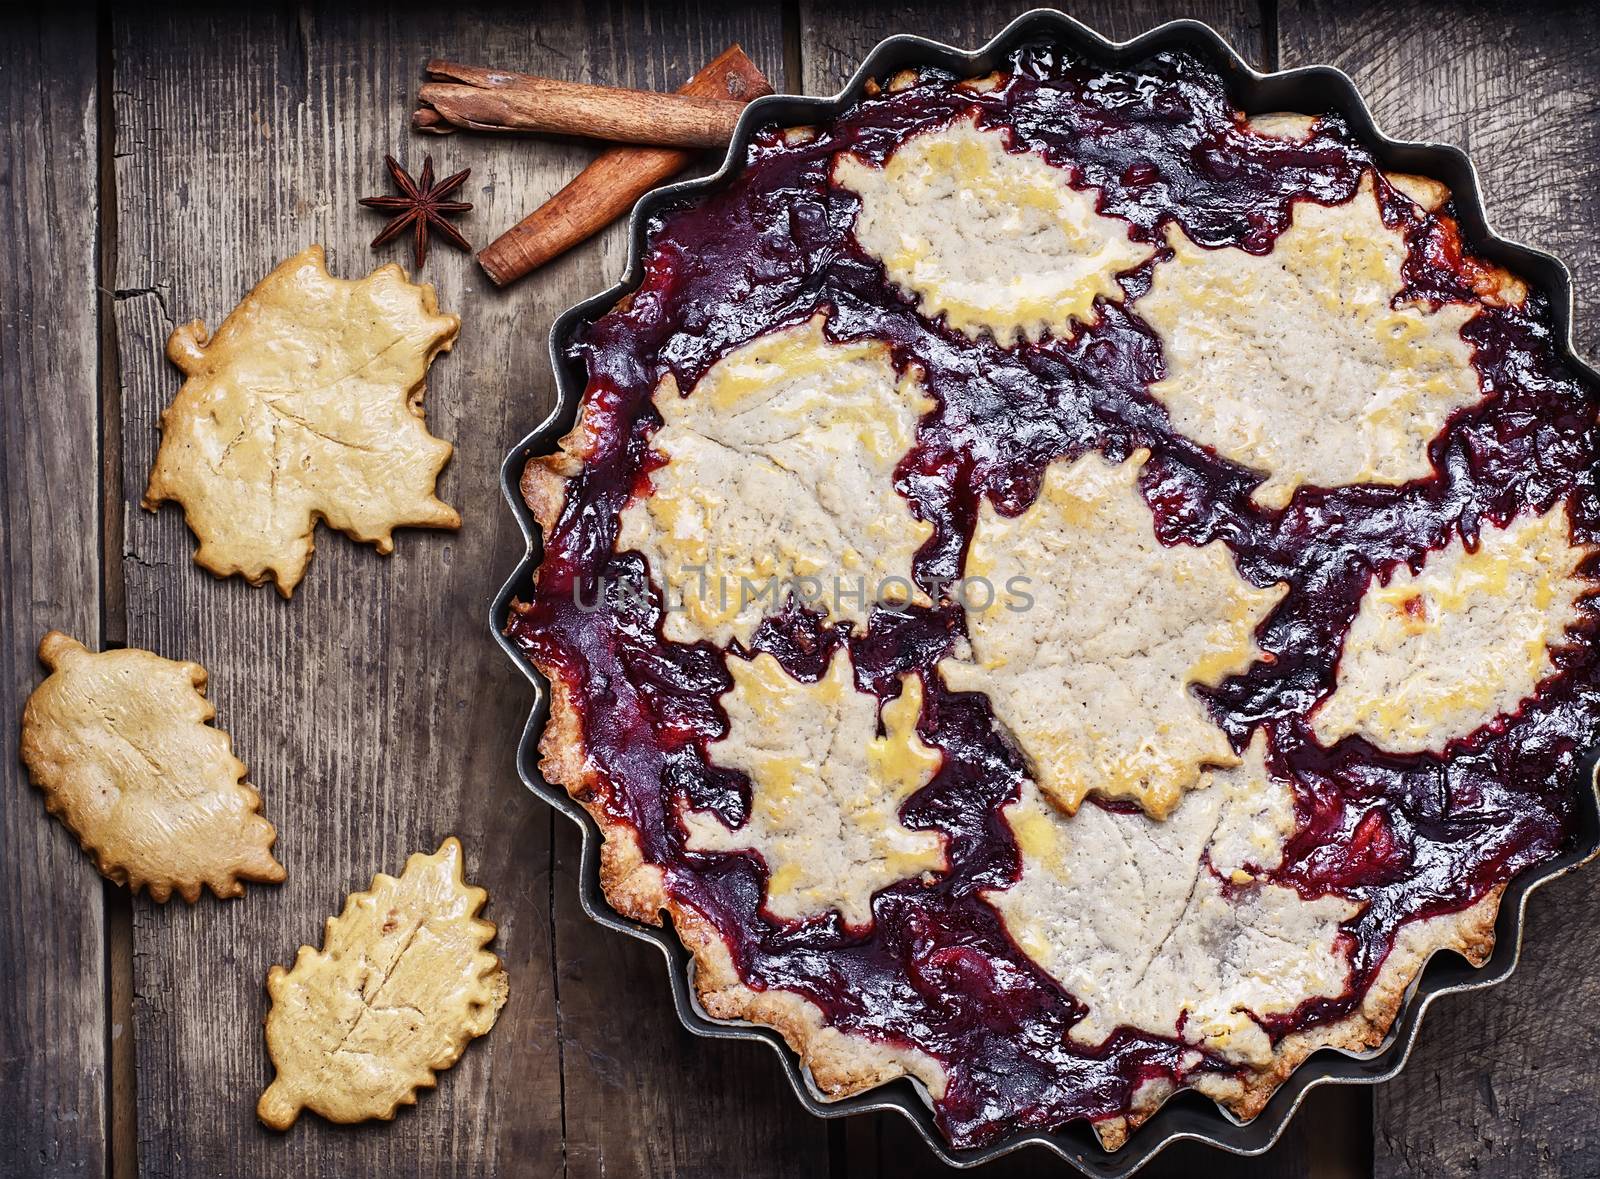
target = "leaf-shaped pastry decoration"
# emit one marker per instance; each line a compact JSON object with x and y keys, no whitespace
{"x":305,"y":405}
{"x":401,"y":985}
{"x":119,"y":743}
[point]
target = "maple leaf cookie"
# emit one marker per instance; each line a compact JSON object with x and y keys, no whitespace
{"x":1305,"y":363}
{"x":1116,"y":646}
{"x":305,"y":405}
{"x":827,"y":790}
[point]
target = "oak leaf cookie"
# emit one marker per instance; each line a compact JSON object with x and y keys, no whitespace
{"x":119,"y":743}
{"x":400,"y":986}
{"x":995,"y":240}
{"x":306,"y":404}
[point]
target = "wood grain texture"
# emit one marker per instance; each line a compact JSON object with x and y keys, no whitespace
{"x":1502,"y":1082}
{"x":1329,"y":1137}
{"x":52,"y":1020}
{"x":374,"y":710}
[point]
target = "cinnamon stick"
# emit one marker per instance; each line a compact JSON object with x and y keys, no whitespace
{"x":608,"y":187}
{"x":479,"y":99}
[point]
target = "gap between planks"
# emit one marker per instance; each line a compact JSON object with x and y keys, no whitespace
{"x":122,"y":1114}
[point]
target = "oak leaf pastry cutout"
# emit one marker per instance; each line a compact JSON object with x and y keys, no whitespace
{"x":994,"y":240}
{"x":305,"y":405}
{"x":1436,"y":654}
{"x":119,"y":741}
{"x":400,"y":986}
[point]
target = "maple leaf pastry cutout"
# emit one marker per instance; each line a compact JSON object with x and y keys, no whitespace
{"x":119,"y":741}
{"x":401,"y":985}
{"x":421,"y":207}
{"x":305,"y":405}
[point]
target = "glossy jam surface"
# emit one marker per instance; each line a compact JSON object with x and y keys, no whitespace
{"x":1409,"y":836}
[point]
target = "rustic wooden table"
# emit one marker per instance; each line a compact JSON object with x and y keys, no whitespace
{"x":153,"y":165}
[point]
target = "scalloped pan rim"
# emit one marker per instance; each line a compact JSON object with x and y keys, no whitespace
{"x":1187,"y":1116}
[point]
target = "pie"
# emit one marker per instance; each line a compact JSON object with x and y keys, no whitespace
{"x":1068,"y":592}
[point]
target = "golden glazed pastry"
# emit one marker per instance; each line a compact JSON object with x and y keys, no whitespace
{"x":305,"y":405}
{"x":122,"y":746}
{"x":401,"y":985}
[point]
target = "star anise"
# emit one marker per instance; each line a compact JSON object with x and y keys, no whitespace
{"x":420,"y":207}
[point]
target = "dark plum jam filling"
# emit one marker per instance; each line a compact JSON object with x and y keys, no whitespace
{"x":1408,"y":836}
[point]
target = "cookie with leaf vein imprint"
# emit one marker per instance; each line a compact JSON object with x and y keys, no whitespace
{"x":120,"y":743}
{"x":1438,"y":653}
{"x":826,"y":788}
{"x":1095,"y":679}
{"x":305,"y":405}
{"x":989,"y":235}
{"x":1311,"y":363}
{"x":401,"y":985}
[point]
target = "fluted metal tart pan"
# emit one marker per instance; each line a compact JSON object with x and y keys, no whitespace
{"x":1188,"y":1116}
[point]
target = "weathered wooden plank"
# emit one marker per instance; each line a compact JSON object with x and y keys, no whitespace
{"x":1328,"y":1136}
{"x":52,"y":1014}
{"x":374,"y":710}
{"x":1502,"y":1083}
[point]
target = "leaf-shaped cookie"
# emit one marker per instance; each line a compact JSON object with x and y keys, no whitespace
{"x":119,"y":743}
{"x":305,"y":405}
{"x":401,"y":985}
